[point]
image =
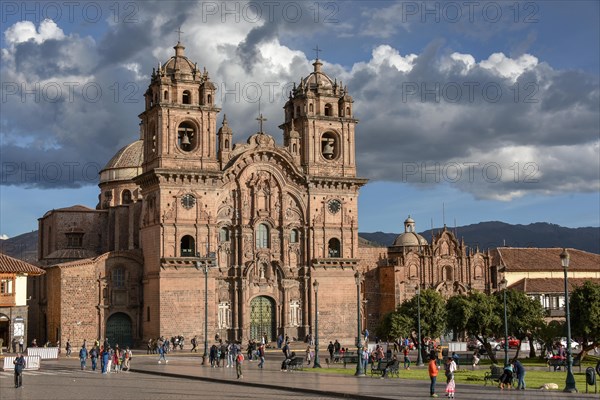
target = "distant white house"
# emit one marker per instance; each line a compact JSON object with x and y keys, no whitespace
{"x":538,"y":272}
{"x":13,"y":299}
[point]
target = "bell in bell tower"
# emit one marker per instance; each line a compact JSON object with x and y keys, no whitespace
{"x":179,"y":120}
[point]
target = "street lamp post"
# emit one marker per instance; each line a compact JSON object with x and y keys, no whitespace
{"x":359,"y":345}
{"x":316,"y":363}
{"x":570,"y":382}
{"x":503,"y":285}
{"x":419,"y":354}
{"x":205,"y":267}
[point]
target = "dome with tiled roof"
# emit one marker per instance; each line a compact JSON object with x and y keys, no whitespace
{"x":124,"y":165}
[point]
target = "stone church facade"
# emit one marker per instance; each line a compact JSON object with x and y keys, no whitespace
{"x":266,"y":221}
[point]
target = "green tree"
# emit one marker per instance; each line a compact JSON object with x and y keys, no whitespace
{"x":458,"y":312}
{"x":524,"y":314}
{"x":585,"y":315}
{"x":484,"y":320}
{"x":395,"y":325}
{"x":404,"y":321}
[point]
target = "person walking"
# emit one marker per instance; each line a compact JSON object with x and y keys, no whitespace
{"x":21,"y":343}
{"x":261,"y":355}
{"x":19,"y":363}
{"x":68,"y":347}
{"x":475,"y":358}
{"x":331,"y":349}
{"x":239,"y":360}
{"x":519,"y":369}
{"x":194,"y":345}
{"x":406,"y":359}
{"x":162,"y":352}
{"x":94,"y":357}
{"x":433,"y":373}
{"x":308,"y":355}
{"x":83,"y":355}
{"x":104,"y":359}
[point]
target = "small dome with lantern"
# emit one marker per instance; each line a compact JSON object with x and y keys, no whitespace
{"x":410,"y":238}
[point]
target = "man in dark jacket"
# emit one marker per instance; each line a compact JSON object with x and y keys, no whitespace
{"x":19,"y":367}
{"x":520,"y":371}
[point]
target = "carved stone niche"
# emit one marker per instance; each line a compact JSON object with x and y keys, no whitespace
{"x":223,"y":291}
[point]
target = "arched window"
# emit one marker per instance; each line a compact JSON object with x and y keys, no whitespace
{"x":186,"y":136}
{"x":166,"y":95}
{"x":126,"y":197}
{"x":209,"y":98}
{"x":187,"y":97}
{"x":224,"y":235}
{"x":188,"y":246}
{"x":311,"y":108}
{"x":447,"y":273}
{"x":328,"y":110}
{"x":262,"y":236}
{"x":294,"y":148}
{"x":226,"y":144}
{"x":294,"y":236}
{"x":347,"y":111}
{"x":118,"y":277}
{"x":333,"y":248}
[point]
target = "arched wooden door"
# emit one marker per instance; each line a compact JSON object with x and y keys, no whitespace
{"x":262,"y":318}
{"x":118,"y":330}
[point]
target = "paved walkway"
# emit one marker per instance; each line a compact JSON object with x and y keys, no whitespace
{"x":325,"y":384}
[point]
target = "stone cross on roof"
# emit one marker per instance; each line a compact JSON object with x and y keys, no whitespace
{"x":317,"y":50}
{"x":260,"y":119}
{"x":179,"y":31}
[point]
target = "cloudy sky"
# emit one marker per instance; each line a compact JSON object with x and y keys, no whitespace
{"x":489,"y":110}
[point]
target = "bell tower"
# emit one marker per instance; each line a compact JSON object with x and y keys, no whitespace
{"x":179,"y":120}
{"x":320,"y":111}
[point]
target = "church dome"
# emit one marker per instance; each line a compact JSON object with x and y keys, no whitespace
{"x":317,"y":79}
{"x":409,"y":237}
{"x":124,"y":165}
{"x":180,"y":63}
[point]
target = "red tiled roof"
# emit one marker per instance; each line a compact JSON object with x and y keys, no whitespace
{"x":548,"y":285}
{"x":13,"y":266}
{"x":540,"y":259}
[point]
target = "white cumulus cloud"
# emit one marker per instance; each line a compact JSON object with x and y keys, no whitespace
{"x":24,"y":31}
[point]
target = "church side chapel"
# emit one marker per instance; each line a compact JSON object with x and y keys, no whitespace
{"x":266,"y":222}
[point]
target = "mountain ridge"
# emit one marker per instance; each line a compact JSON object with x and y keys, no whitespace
{"x":488,"y":234}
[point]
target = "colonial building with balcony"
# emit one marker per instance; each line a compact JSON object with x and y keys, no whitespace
{"x":13,"y":298}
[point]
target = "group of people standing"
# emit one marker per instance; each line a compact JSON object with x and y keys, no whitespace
{"x":450,"y":367}
{"x":111,"y":359}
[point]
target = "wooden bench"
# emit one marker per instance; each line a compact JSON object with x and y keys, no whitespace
{"x":494,"y":375}
{"x":562,"y":362}
{"x":377,"y":368}
{"x":350,"y":358}
{"x":394,"y":369}
{"x":296,"y":364}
